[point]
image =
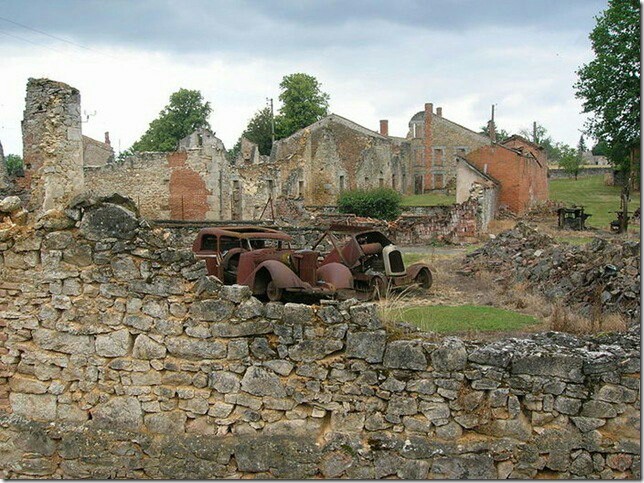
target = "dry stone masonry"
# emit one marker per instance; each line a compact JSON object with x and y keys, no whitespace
{"x":122,"y":359}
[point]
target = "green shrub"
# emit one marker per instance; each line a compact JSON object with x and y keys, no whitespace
{"x":381,"y":203}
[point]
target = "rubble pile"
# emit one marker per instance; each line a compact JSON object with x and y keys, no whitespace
{"x":602,"y":275}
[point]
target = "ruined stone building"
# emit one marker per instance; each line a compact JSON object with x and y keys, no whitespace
{"x":520,"y":168}
{"x":307,"y":170}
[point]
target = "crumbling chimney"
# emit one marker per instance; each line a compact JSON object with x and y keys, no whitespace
{"x":384,"y":127}
{"x":439,"y":111}
{"x":107,"y":138}
{"x":429,"y":108}
{"x":491,"y":127}
{"x":534,"y":131}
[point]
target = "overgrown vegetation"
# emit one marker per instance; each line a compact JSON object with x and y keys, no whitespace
{"x":380,"y":203}
{"x":14,"y":164}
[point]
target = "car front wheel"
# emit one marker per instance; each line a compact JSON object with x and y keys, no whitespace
{"x":273,"y":292}
{"x":424,"y":278}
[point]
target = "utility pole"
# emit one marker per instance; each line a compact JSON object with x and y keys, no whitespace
{"x":270,"y":100}
{"x":534,"y":132}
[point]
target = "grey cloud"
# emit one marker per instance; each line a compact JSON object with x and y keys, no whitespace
{"x":258,"y":27}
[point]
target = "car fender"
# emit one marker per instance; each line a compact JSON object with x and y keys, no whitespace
{"x":413,"y":270}
{"x":282,"y":276}
{"x":335,"y":274}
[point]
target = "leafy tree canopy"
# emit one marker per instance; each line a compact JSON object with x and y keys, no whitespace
{"x":381,"y":203}
{"x":541,"y":137}
{"x":609,"y":85}
{"x":303,"y":103}
{"x":501,"y":134}
{"x":185,"y":112}
{"x":259,"y":131}
{"x":15,"y":166}
{"x":570,"y":159}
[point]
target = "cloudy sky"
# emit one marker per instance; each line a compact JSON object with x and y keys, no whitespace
{"x":376,"y":59}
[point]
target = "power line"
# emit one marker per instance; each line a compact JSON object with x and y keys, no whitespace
{"x":61,"y":39}
{"x":31,"y":42}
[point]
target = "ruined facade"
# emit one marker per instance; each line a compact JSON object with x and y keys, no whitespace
{"x":435,"y":144}
{"x":97,"y":153}
{"x":522,"y":176}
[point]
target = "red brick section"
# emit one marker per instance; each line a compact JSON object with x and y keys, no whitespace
{"x":539,"y":153}
{"x":428,"y":144}
{"x":523,"y":180}
{"x":177,"y":159}
{"x":188,"y":195}
{"x":384,"y":127}
{"x":188,"y":192}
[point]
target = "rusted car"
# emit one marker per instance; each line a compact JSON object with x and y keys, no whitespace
{"x":262,"y":258}
{"x":375,"y":262}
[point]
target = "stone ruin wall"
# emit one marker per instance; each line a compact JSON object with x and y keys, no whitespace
{"x":121,"y":359}
{"x":52,"y":144}
{"x":183,"y":185}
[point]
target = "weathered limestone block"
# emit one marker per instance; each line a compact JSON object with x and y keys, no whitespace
{"x":402,"y":354}
{"x":10,"y":204}
{"x":556,"y":365}
{"x":172,"y":422}
{"x":19,"y":383}
{"x":235,"y":293}
{"x":250,"y":308}
{"x":281,"y":367}
{"x":369,"y":346}
{"x":241,"y":329}
{"x":147,"y":348}
{"x":114,"y":344}
{"x":312,"y":350}
{"x":598,"y":409}
{"x":212,"y":310}
{"x":260,"y":382}
{"x":107,"y":220}
{"x":124,"y":268}
{"x":450,"y":356}
{"x":224,"y":382}
{"x":366,"y":315}
{"x":478,"y":467}
{"x":34,"y":406}
{"x":195,"y":349}
{"x":64,"y":342}
{"x":123,"y":412}
{"x":295,"y":314}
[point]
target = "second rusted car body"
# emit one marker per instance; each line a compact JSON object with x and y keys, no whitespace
{"x":375,"y":262}
{"x":263,"y":259}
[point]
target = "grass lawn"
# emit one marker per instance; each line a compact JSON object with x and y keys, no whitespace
{"x":428,"y":199}
{"x":441,"y":318}
{"x":599,"y":200}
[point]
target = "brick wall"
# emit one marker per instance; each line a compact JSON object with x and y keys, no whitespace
{"x":523,"y":182}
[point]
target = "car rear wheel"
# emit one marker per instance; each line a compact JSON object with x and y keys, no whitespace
{"x":273,"y":292}
{"x":424,"y":278}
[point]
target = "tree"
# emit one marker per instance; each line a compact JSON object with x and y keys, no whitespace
{"x":581,"y":146}
{"x":600,"y":149}
{"x":541,"y":137}
{"x":303,"y":103}
{"x":570,"y":159}
{"x":259,"y":131}
{"x":186,"y":112}
{"x":501,"y":134}
{"x":609,"y":85}
{"x":15,"y":166}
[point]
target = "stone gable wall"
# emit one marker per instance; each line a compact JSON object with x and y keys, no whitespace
{"x":120,"y":358}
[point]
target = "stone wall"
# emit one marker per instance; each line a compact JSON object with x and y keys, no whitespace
{"x":122,"y":359}
{"x":560,"y":173}
{"x":52,"y":144}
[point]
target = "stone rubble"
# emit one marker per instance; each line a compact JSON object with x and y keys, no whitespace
{"x":604,"y":274}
